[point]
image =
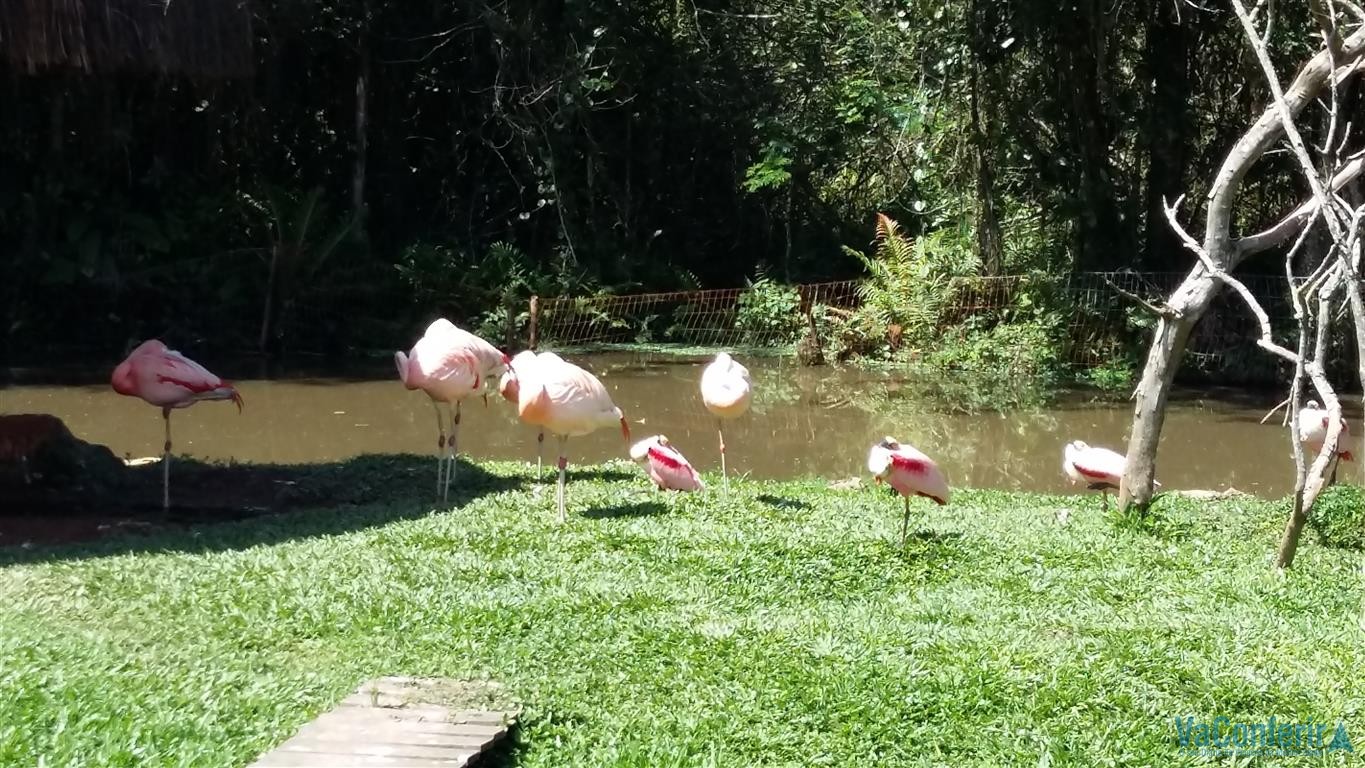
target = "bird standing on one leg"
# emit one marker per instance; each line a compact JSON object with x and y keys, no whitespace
{"x":909,"y":471}
{"x":665,"y":465}
{"x":169,"y":380}
{"x":449,"y":364}
{"x":566,"y":401}
{"x":1099,"y":468}
{"x":726,"y":392}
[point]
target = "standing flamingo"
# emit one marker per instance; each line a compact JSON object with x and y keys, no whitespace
{"x":726,"y":392}
{"x":906,"y":469}
{"x":448,"y":364}
{"x":167,"y":379}
{"x":666,"y":465}
{"x":566,"y":401}
{"x":1099,"y":468}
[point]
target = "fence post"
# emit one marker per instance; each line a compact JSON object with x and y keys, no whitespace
{"x":535,"y":316}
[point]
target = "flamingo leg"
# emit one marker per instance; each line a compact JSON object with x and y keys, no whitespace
{"x":166,"y":463}
{"x":453,"y":446}
{"x":440,"y":447}
{"x":563,"y":466}
{"x":905,"y":520}
{"x":540,"y":455}
{"x":720,"y":430}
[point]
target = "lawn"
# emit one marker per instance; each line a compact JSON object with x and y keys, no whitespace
{"x":779,"y":625}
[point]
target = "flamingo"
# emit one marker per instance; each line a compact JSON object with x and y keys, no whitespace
{"x":909,"y":471}
{"x":508,"y":388}
{"x":666,"y":465}
{"x":565,"y":401}
{"x":1099,"y":468}
{"x":449,"y":364}
{"x":1313,"y":432}
{"x":167,"y":379}
{"x":726,"y":392}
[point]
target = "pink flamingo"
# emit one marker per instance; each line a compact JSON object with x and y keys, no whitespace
{"x":167,"y":379}
{"x":726,"y":392}
{"x":566,"y":401}
{"x":666,"y":465}
{"x":449,"y":364}
{"x":909,"y":471}
{"x":1099,"y":468}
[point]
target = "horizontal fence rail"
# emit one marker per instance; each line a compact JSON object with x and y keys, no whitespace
{"x":1093,"y":320}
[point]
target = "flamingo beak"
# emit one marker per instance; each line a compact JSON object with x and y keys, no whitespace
{"x":625,"y":430}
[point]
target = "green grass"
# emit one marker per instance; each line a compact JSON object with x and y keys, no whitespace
{"x":777,"y":626}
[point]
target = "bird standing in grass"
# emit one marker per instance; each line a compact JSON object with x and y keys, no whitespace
{"x":910,"y":472}
{"x":1099,"y":468}
{"x":566,"y":401}
{"x":449,"y":364}
{"x":167,"y":379}
{"x":666,"y":466}
{"x":726,"y":392}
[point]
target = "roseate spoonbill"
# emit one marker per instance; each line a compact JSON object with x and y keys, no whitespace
{"x":167,"y":379}
{"x":666,"y":465}
{"x":448,"y":364}
{"x":508,"y":388}
{"x":566,"y":401}
{"x":906,"y":469}
{"x":1313,"y":433}
{"x":726,"y":392}
{"x":1099,"y":468}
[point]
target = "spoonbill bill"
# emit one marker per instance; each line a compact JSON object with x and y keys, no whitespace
{"x":726,"y":392}
{"x":909,"y":471}
{"x":167,"y":379}
{"x":449,"y":364}
{"x":566,"y":401}
{"x":665,"y":465}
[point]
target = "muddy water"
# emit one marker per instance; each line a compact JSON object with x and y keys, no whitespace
{"x":804,"y":422}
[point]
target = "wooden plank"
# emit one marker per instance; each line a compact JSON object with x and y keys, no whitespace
{"x":399,"y":722}
{"x":344,"y":760}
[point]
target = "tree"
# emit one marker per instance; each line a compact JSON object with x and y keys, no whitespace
{"x":1334,"y":65}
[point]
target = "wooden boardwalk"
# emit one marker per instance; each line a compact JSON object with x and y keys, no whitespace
{"x":395,"y":722}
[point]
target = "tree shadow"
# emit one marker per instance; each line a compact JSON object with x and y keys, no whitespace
{"x":635,"y":509}
{"x":779,"y":502}
{"x":594,"y":473}
{"x":232,"y":506}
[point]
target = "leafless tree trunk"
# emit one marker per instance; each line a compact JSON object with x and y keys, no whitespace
{"x":1222,"y":252}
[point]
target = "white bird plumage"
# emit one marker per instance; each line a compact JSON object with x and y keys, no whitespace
{"x":726,"y":391}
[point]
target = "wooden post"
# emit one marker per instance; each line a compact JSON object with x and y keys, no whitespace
{"x":535,"y":316}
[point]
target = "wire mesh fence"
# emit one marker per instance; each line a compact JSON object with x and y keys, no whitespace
{"x":1093,"y":320}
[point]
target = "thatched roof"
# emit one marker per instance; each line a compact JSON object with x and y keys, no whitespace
{"x":191,"y":37}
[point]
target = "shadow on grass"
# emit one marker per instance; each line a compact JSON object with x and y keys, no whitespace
{"x":233,"y":506}
{"x":606,"y":475}
{"x":779,"y":502}
{"x":636,"y":509}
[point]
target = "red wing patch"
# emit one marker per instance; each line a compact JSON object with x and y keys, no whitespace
{"x":197,"y":387}
{"x":1091,"y":473}
{"x":916,"y":466}
{"x":663,"y":458}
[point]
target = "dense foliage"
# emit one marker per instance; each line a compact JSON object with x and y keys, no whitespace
{"x":358,"y":181}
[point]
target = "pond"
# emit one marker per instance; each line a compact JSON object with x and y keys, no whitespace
{"x":805,"y":421}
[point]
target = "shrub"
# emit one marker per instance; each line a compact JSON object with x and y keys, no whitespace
{"x":1338,"y":516}
{"x":769,"y":312}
